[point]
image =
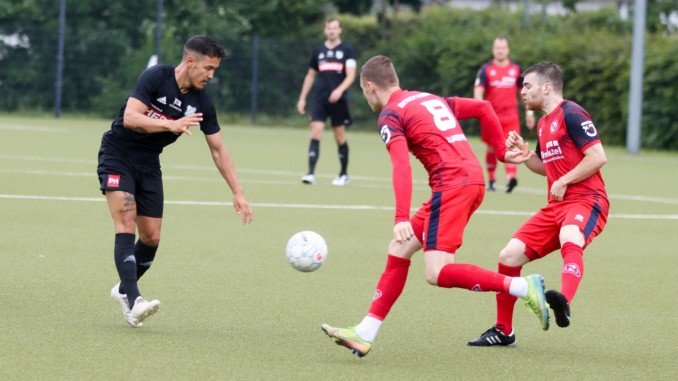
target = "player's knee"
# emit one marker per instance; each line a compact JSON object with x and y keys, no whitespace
{"x":571,"y":233}
{"x":431,"y":274}
{"x":510,"y":256}
{"x":152,"y":239}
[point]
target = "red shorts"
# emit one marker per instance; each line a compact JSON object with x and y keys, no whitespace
{"x":440,"y":222}
{"x":542,"y":231}
{"x":506,"y":126}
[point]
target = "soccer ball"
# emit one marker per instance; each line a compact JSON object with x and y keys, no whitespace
{"x":306,"y":251}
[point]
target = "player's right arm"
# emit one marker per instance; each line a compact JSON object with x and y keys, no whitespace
{"x":305,"y":89}
{"x":135,"y":119}
{"x":402,"y":187}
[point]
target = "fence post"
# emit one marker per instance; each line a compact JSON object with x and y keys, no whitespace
{"x":60,"y":60}
{"x":636,"y":91}
{"x":158,"y":29}
{"x":255,"y":78}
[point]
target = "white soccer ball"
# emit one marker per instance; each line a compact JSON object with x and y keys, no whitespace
{"x":306,"y":251}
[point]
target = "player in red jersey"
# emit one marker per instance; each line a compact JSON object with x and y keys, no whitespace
{"x":569,"y":153}
{"x":426,"y":125}
{"x":499,"y":81}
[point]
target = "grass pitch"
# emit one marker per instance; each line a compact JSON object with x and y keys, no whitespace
{"x":232,"y":308}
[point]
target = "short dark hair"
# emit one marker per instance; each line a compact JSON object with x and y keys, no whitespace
{"x":547,"y":72}
{"x":206,"y":46}
{"x":331,"y":19}
{"x":380,"y":71}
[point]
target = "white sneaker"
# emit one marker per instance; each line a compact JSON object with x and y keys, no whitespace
{"x":141,"y":311}
{"x":340,"y":181}
{"x":308,"y":179}
{"x":121,"y":299}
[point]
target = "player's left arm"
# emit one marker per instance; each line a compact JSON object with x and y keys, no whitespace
{"x":224,"y":162}
{"x":466,"y":108}
{"x":594,"y":159}
{"x":351,"y":67}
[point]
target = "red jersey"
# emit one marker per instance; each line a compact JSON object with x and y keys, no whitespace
{"x":425,"y":125}
{"x":502,"y":84}
{"x":563,"y":136}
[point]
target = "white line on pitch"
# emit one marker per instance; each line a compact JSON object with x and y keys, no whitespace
{"x":316,"y":206}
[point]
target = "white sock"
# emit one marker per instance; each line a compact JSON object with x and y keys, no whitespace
{"x":518,"y":287}
{"x":368,"y":328}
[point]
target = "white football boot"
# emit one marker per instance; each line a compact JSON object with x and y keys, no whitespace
{"x":142,"y":310}
{"x":341,"y":181}
{"x":308,"y":179}
{"x":121,"y":299}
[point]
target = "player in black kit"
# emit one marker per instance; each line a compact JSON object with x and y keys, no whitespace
{"x":166,"y":102}
{"x":334,"y":64}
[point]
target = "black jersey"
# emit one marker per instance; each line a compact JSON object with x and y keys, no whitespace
{"x":157,"y":88}
{"x":331,"y":67}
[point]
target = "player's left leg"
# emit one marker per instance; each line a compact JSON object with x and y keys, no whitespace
{"x":147,"y":244}
{"x":510,"y":168}
{"x":583,"y":221}
{"x":341,"y":119}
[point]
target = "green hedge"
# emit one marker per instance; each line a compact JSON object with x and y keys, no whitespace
{"x":440,"y":51}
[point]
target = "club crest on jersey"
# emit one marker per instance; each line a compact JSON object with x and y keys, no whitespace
{"x":493,"y":72}
{"x":589,"y":128}
{"x":554,"y":127}
{"x":572,"y":268}
{"x":113,"y":181}
{"x":339,"y":54}
{"x":385,"y":133}
{"x":579,"y":218}
{"x":162,"y":100}
{"x":512,"y":72}
{"x":321,"y":56}
{"x":190,"y":110}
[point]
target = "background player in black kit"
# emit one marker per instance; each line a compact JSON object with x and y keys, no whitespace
{"x":166,"y":102}
{"x":334,"y":64}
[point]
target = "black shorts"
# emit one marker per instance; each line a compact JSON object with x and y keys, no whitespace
{"x":135,"y":175}
{"x":338,"y":112}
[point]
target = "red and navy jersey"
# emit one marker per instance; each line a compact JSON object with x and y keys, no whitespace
{"x":433,"y":135}
{"x":563,"y":136}
{"x":502,"y":84}
{"x":331,"y":67}
{"x":157,"y":88}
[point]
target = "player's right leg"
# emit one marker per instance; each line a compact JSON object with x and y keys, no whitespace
{"x":360,"y":338}
{"x":318,"y":117}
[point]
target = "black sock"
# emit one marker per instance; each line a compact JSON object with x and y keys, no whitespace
{"x":343,"y":157}
{"x":313,"y":154}
{"x":126,"y":264}
{"x":144,"y":255}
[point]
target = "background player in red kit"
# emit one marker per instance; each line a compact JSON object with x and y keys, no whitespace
{"x":166,"y":102}
{"x":569,"y":153}
{"x":333,"y":63}
{"x":499,"y":81}
{"x":426,"y":125}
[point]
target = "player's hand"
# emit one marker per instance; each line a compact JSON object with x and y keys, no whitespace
{"x":301,"y":106}
{"x":242,"y":208}
{"x":402,"y":231}
{"x":558,"y":189}
{"x":517,"y":156}
{"x":335,"y":95}
{"x":180,"y":126}
{"x":515,"y":141}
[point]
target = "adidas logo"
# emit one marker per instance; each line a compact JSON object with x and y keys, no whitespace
{"x":162,"y":100}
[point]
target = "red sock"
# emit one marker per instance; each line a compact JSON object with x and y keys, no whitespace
{"x":472,"y":277}
{"x":491,"y":164}
{"x":390,"y":286}
{"x":573,"y":269}
{"x":506,"y":301}
{"x":511,"y":170}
